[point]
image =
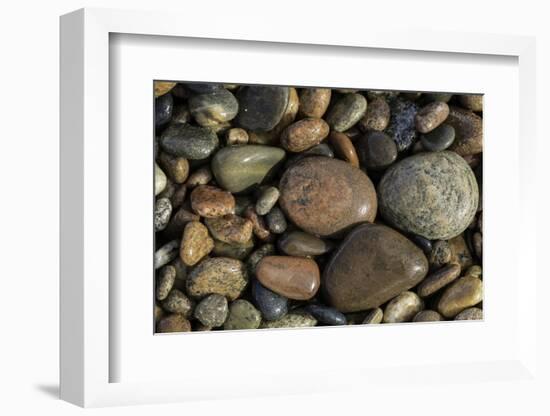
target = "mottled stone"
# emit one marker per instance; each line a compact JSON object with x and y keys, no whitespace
{"x":472,"y":102}
{"x":468,"y":131}
{"x":163,"y":87}
{"x":403,"y":308}
{"x":440,"y":255}
{"x":257,"y":255}
{"x":434,"y":195}
{"x":201,"y":176}
{"x":272,"y":305}
{"x":166,"y":253}
{"x":230,"y":229}
{"x":465,"y":292}
{"x":212,"y":310}
{"x":377,"y":117}
{"x":211,"y":202}
{"x":304,"y":134}
{"x":242,"y":315}
{"x":213,"y":108}
{"x":163,"y":210}
{"x":276,"y":221}
{"x":291,"y":320}
{"x":259,"y":228}
{"x":376,"y":150}
{"x":346,"y":111}
{"x":164,"y":107}
{"x":235,"y":251}
{"x":292,"y":277}
{"x":190,"y":142}
{"x":314,"y":102}
{"x":344,"y":148}
{"x":459,"y":252}
{"x":221,"y":275}
{"x":236,"y":136}
{"x":402,"y":127}
{"x":470,"y":314}
{"x":160,"y":180}
{"x":267,"y":200}
{"x":374,"y":316}
{"x":300,"y":244}
{"x":165,"y":282}
{"x":431,"y":116}
{"x":427,"y":316}
{"x":177,"y":168}
{"x":373,"y":264}
{"x":325,"y":196}
{"x":438,"y":139}
{"x":177,"y":302}
{"x":239,"y":168}
{"x":438,"y":279}
{"x":195,"y":244}
{"x":261,"y":107}
{"x":175,"y":227}
{"x":326,"y":315}
{"x":174,"y":323}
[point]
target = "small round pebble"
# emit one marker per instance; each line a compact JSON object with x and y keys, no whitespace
{"x":377,"y":116}
{"x":276,"y":221}
{"x":160,"y":180}
{"x":242,"y":315}
{"x":314,"y":102}
{"x":177,"y":302}
{"x":267,"y":200}
{"x":403,"y":308}
{"x":166,"y":253}
{"x":438,"y":139}
{"x":211,"y":202}
{"x":304,"y":134}
{"x":465,"y":292}
{"x":299,"y":243}
{"x":188,"y":141}
{"x":200,"y":177}
{"x":212,"y":310}
{"x":236,"y":136}
{"x":346,"y":111}
{"x":213,"y":108}
{"x":431,"y":116}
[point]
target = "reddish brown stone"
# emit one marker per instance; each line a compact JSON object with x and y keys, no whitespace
{"x":314,"y":101}
{"x":230,"y":229}
{"x":325,"y":196}
{"x":431,"y":116}
{"x":293,"y":277}
{"x":438,"y":279}
{"x":211,"y":202}
{"x":304,"y":134}
{"x":344,"y":148}
{"x":174,"y":323}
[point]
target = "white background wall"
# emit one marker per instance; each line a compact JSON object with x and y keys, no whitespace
{"x":29,"y":171}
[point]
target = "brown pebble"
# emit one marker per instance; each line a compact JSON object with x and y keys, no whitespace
{"x":293,"y":277}
{"x":177,"y":168}
{"x":200,"y":177}
{"x":440,"y":255}
{"x":258,"y":224}
{"x":344,"y":148}
{"x":177,"y":302}
{"x":174,"y":323}
{"x":162,"y":87}
{"x":472,"y":102}
{"x":459,"y":252}
{"x":165,"y":283}
{"x":211,"y":202}
{"x":304,"y":134}
{"x":230,"y":229}
{"x":195,"y":244}
{"x":468,"y":131}
{"x":314,"y":102}
{"x":465,"y":292}
{"x":376,"y":150}
{"x":377,"y":116}
{"x":427,"y":316}
{"x":431,"y":116}
{"x":438,"y":279}
{"x":236,"y":136}
{"x":222,"y":275}
{"x":403,"y":308}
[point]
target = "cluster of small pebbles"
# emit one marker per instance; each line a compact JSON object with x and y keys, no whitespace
{"x":296,"y":207}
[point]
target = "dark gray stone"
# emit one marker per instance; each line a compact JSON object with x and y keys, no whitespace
{"x":261,"y":107}
{"x":327,"y":315}
{"x":188,"y":141}
{"x":272,"y":305}
{"x":438,"y":139}
{"x":402,"y":127}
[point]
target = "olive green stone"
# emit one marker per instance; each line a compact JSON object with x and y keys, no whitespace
{"x":242,"y":315}
{"x":239,"y":168}
{"x":346,"y":111}
{"x":438,"y":139}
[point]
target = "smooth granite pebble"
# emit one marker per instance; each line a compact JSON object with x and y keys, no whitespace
{"x":261,"y":107}
{"x":276,"y":221}
{"x":174,"y":323}
{"x":465,"y":292}
{"x":403,"y":308}
{"x":213,"y":108}
{"x":346,"y":111}
{"x":267,"y":200}
{"x":211,"y":202}
{"x":304,"y":134}
{"x":222,"y":275}
{"x":242,"y":315}
{"x":272,"y":305}
{"x":230,"y":229}
{"x":377,"y":116}
{"x":376,"y":150}
{"x":470,"y":314}
{"x":166,"y":253}
{"x":439,"y":138}
{"x":195,"y":244}
{"x":431,"y":116}
{"x":188,"y":141}
{"x":160,"y":180}
{"x":427,"y":316}
{"x":212,"y":311}
{"x":314,"y":102}
{"x":166,"y":280}
{"x":164,"y":106}
{"x":468,"y":131}
{"x":257,"y":255}
{"x":163,"y":211}
{"x":178,"y":302}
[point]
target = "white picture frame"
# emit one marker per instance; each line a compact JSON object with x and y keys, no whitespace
{"x":88,"y":304}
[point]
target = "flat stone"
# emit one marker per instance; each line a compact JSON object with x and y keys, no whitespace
{"x":427,"y":316}
{"x":377,"y":116}
{"x":162,"y":87}
{"x":190,"y":142}
{"x":163,"y":210}
{"x":174,"y":323}
{"x":468,"y":131}
{"x":431,"y":116}
{"x":373,"y":264}
{"x":261,"y":107}
{"x":240,"y":168}
{"x":438,"y":139}
{"x":267,"y":200}
{"x":438,"y":279}
{"x":344,"y":148}
{"x":324,"y":196}
{"x":230,"y":229}
{"x":213,"y":108}
{"x":195,"y":244}
{"x":272,"y":305}
{"x":402,"y":128}
{"x":314,"y":101}
{"x":242,"y":315}
{"x":211,"y":202}
{"x":292,"y":320}
{"x":470,"y":314}
{"x":177,"y":302}
{"x":292,"y":277}
{"x":164,"y":106}
{"x":465,"y":292}
{"x":346,"y":111}
{"x":304,"y":134}
{"x":434,"y":195}
{"x":212,"y":310}
{"x":403,"y":308}
{"x":376,"y":150}
{"x":301,"y":244}
{"x":221,"y":275}
{"x":326,"y":315}
{"x":276,"y":221}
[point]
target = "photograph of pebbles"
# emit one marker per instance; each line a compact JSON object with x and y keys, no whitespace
{"x":287,"y":207}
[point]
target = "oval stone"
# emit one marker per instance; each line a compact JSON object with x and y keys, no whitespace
{"x":221,"y":275}
{"x":376,"y":150}
{"x":377,"y":116}
{"x":314,"y":101}
{"x":325,"y":196}
{"x":195,"y":244}
{"x":304,"y":134}
{"x":434,"y":195}
{"x":438,"y":279}
{"x":293,"y":277}
{"x":463,"y":293}
{"x":261,"y":107}
{"x":188,"y":141}
{"x":211,"y":202}
{"x":470,"y":314}
{"x":431,"y":116}
{"x":402,"y":128}
{"x":427,"y":316}
{"x":239,"y":168}
{"x":212,"y":311}
{"x":327,"y":315}
{"x":403,"y":308}
{"x":468,"y":131}
{"x":438,"y":139}
{"x":272,"y":305}
{"x":214,"y":108}
{"x":373,"y":264}
{"x":242,"y":315}
{"x":163,"y":110}
{"x":346,"y":111}
{"x":300,"y":244}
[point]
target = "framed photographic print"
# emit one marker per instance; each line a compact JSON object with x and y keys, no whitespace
{"x":303,"y":212}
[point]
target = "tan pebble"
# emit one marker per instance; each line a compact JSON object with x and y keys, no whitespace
{"x":267,"y":200}
{"x":165,"y":283}
{"x":431,"y":116}
{"x":403,"y":308}
{"x":177,"y":168}
{"x":174,"y":323}
{"x":377,"y":116}
{"x":230,"y":229}
{"x":427,"y":316}
{"x":465,"y":292}
{"x":236,"y":136}
{"x":177,"y":302}
{"x":304,"y":134}
{"x":212,"y":202}
{"x":344,"y":148}
{"x":200,"y":177}
{"x":258,"y":224}
{"x":475,"y":271}
{"x":472,"y":102}
{"x":470,"y":314}
{"x":374,"y":316}
{"x":175,"y":227}
{"x":162,"y":87}
{"x":221,"y":275}
{"x":459,"y":252}
{"x":438,"y":279}
{"x":314,"y":102}
{"x":468,"y":129}
{"x":195,"y":244}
